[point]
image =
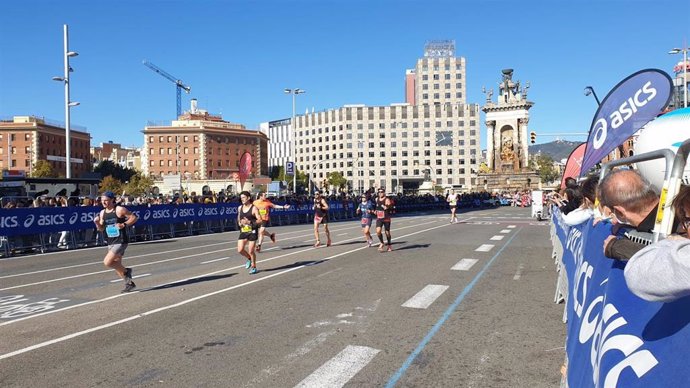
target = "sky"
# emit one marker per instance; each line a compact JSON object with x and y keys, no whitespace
{"x":239,"y":56}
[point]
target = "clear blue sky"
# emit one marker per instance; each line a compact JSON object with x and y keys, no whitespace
{"x":238,"y":56}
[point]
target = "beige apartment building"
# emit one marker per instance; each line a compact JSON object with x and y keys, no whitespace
{"x":431,"y":141}
{"x":202,"y":146}
{"x":24,"y":140}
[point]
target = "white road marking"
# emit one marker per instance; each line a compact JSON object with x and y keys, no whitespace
{"x":505,"y":231}
{"x":308,"y":240}
{"x":464,"y":264}
{"x":484,"y":248}
{"x":133,"y":277}
{"x":519,"y":272}
{"x":214,"y":260}
{"x":497,"y":238}
{"x":425,"y":297}
{"x":342,"y":234}
{"x":341,"y":368}
{"x":511,"y":226}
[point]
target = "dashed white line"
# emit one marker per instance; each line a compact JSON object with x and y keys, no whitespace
{"x":425,"y":297}
{"x":497,"y":238}
{"x":519,"y":272}
{"x":341,"y":234}
{"x":341,"y":368}
{"x":511,"y":226}
{"x":484,"y":248}
{"x":464,"y":264}
{"x":505,"y":231}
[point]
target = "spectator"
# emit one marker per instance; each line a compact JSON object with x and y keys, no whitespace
{"x":586,"y":194}
{"x":661,"y":272}
{"x":633,"y":202}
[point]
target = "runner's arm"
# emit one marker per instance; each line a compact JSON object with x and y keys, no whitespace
{"x":324,"y":204}
{"x":131,"y":218}
{"x":99,"y":221}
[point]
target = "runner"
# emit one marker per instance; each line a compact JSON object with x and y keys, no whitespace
{"x":321,"y":218}
{"x":452,"y":200}
{"x":264,"y":205}
{"x":247,"y":216}
{"x":383,"y":218}
{"x":115,"y":219}
{"x":366,"y":209}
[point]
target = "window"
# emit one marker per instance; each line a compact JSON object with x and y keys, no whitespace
{"x":151,"y":151}
{"x":150,"y":139}
{"x":447,"y":76}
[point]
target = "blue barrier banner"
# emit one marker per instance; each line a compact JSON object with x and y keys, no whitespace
{"x":614,"y":338}
{"x":23,"y":221}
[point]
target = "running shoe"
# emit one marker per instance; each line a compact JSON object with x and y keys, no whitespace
{"x":390,"y":248}
{"x":318,"y":244}
{"x":258,"y":247}
{"x":128,"y":275}
{"x":248,"y":264}
{"x":371,"y":243}
{"x":380,"y":247}
{"x":328,"y":244}
{"x":273,"y":237}
{"x":253,"y":271}
{"x":129,"y":286}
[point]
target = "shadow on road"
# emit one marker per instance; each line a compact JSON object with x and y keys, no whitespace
{"x":415,"y":246}
{"x":293,"y":265}
{"x":190,"y":281}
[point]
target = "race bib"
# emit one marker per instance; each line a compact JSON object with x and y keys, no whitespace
{"x":365,"y":221}
{"x":246,"y":228}
{"x":112,"y":231}
{"x":263,"y":212}
{"x":380,"y":214}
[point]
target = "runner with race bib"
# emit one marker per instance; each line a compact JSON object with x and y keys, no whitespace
{"x":366,"y":211}
{"x":264,"y":205}
{"x":321,"y":218}
{"x":247,"y":216}
{"x":452,"y":200}
{"x":383,"y":219}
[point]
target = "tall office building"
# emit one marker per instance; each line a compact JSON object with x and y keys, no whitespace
{"x":429,"y":142}
{"x":279,"y":145}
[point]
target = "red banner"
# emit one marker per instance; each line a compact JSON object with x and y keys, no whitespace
{"x":574,"y":163}
{"x":245,"y":168}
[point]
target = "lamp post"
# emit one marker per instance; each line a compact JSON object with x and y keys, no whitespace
{"x":294,"y":93}
{"x":68,"y":103}
{"x":590,"y":90}
{"x":683,"y":50}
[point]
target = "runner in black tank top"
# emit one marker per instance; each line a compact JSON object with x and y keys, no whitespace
{"x":115,"y":220}
{"x":247,"y":216}
{"x":383,"y":219}
{"x":321,"y":218}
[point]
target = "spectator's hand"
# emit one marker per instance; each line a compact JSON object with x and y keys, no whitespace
{"x":607,"y":241}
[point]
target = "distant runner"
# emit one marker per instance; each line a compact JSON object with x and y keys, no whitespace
{"x":383,"y":219}
{"x":321,"y":218}
{"x":264,"y":205}
{"x":366,"y":212}
{"x":115,"y":219}
{"x":247,"y":216}
{"x":452,"y":200}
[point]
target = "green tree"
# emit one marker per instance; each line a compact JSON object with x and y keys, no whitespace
{"x":111,"y":184}
{"x":43,"y":169}
{"x":138,"y":185}
{"x":107,"y":167}
{"x":336,"y":179}
{"x":302,"y":181}
{"x":543,"y":164}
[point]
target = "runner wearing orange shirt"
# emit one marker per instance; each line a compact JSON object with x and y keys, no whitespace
{"x":264,"y":206}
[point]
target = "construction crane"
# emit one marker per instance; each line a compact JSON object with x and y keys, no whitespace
{"x":179,"y":85}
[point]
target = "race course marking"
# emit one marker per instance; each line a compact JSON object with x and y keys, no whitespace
{"x":464,"y":264}
{"x":341,"y":368}
{"x":425,"y":297}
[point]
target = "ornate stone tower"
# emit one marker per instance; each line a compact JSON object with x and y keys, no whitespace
{"x":506,"y":143}
{"x":506,"y":126}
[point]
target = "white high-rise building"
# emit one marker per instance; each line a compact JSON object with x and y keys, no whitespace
{"x":430,"y":141}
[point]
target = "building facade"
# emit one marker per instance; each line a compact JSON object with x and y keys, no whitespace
{"x":400,"y":147}
{"x":280,"y":142}
{"x":202,"y":146}
{"x":114,"y":152}
{"x":27,"y":139}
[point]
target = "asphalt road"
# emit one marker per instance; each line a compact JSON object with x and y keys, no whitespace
{"x":435,"y":312}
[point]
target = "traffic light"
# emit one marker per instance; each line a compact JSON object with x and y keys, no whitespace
{"x":533,"y":137}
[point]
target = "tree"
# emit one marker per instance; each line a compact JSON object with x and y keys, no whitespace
{"x":110,"y":184}
{"x":543,"y":164}
{"x":43,"y":169}
{"x":138,"y":185}
{"x":336,"y":179}
{"x":107,"y":167}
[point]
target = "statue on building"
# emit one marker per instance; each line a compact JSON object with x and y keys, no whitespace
{"x":507,"y":150}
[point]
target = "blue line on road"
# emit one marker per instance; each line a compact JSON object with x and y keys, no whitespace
{"x":394,"y":379}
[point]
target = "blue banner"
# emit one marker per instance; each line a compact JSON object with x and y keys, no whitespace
{"x":627,"y":107}
{"x":614,"y":338}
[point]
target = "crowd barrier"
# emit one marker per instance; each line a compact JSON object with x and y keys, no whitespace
{"x":614,"y":338}
{"x":43,"y":229}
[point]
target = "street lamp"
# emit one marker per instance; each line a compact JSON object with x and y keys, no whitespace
{"x":294,"y":93}
{"x":68,"y":103}
{"x":684,"y":50}
{"x":590,"y":90}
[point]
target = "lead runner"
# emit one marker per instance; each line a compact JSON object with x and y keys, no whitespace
{"x":383,"y":218}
